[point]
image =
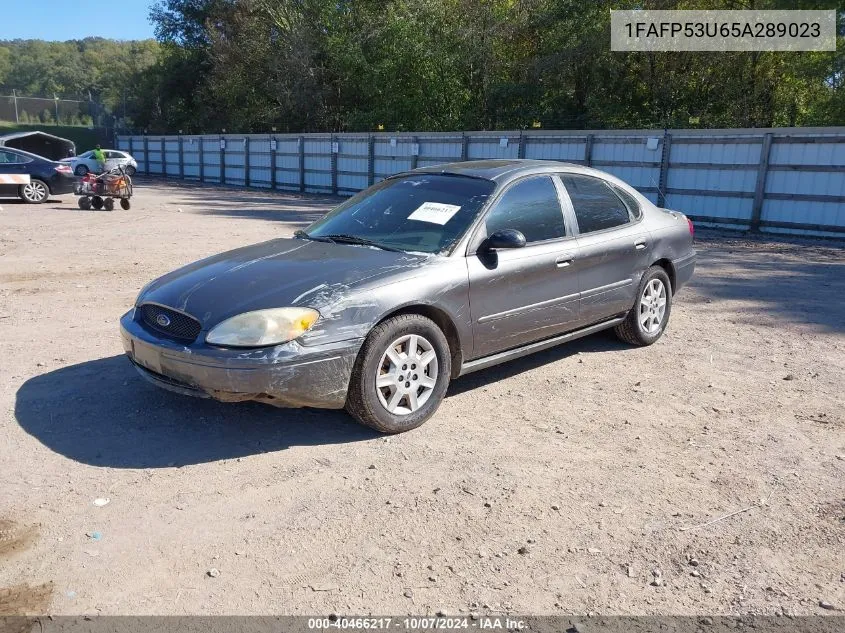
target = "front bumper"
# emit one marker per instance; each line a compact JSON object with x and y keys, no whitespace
{"x":288,"y":375}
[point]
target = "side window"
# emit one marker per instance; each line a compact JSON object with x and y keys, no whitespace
{"x":596,"y":206}
{"x":532,"y":208}
{"x":9,"y":157}
{"x":631,"y":202}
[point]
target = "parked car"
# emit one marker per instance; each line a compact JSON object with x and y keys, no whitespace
{"x":31,"y":177}
{"x":422,"y":278}
{"x":85,"y":162}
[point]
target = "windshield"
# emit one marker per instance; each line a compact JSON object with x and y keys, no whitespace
{"x":418,"y":212}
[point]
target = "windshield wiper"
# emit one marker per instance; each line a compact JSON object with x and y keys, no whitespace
{"x":363,"y":241}
{"x":316,"y":238}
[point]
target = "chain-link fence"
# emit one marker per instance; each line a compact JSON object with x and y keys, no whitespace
{"x":25,"y":110}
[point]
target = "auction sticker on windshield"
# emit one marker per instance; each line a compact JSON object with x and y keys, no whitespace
{"x":434,"y":212}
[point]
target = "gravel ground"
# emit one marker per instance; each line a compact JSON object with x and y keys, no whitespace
{"x":590,"y":478}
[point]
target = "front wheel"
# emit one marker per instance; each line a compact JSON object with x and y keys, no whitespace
{"x":647,"y":321}
{"x":108,"y":204}
{"x":35,"y":191}
{"x":84,"y":203}
{"x":130,"y":170}
{"x":81,"y":170}
{"x":401,"y":374}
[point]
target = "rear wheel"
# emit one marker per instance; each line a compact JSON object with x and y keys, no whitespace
{"x":401,"y":374}
{"x":647,"y":321}
{"x":130,"y":170}
{"x":84,"y":203}
{"x":97,"y":202}
{"x":35,"y":191}
{"x":81,"y":170}
{"x":124,"y":204}
{"x":108,"y":204}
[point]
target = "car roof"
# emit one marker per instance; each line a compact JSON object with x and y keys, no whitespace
{"x":499,"y":170}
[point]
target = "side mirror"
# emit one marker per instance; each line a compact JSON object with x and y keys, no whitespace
{"x":504,"y":238}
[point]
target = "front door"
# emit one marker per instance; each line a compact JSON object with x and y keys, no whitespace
{"x":521,"y":295}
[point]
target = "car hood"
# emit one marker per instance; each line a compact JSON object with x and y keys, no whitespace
{"x":278,"y":273}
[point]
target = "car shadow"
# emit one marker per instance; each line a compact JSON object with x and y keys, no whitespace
{"x":789,"y":281}
{"x":102,"y":413}
{"x":52,"y":199}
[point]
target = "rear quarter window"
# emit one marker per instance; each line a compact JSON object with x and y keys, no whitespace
{"x":631,"y":202}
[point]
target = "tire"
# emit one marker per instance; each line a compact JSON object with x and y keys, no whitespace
{"x":35,"y":192}
{"x":645,"y":322}
{"x":97,"y":202}
{"x":81,"y":170}
{"x":371,"y":405}
{"x":108,"y":204}
{"x":130,"y":170}
{"x":84,"y":203}
{"x":124,"y":204}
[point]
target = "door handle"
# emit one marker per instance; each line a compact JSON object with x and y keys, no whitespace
{"x":640,"y":244}
{"x":563,"y":261}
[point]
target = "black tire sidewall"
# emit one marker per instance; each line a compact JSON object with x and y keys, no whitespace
{"x":651,"y":274}
{"x":371,"y":357}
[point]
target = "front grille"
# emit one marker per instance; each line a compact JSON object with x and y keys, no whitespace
{"x":174,"y":324}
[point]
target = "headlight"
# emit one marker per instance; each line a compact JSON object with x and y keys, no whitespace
{"x":263,"y":327}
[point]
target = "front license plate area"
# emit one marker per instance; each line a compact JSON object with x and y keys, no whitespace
{"x":146,"y":356}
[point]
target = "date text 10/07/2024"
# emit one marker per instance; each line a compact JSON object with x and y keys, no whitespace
{"x":415,"y":623}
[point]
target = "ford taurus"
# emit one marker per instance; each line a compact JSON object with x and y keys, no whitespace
{"x":422,"y":278}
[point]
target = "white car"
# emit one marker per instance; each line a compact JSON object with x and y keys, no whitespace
{"x":84,"y":163}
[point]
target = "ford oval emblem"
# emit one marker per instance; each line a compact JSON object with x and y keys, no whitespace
{"x":162,"y":320}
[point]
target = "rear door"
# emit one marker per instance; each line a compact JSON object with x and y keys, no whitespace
{"x":524,"y":294}
{"x":113,"y":159}
{"x":613,"y":246}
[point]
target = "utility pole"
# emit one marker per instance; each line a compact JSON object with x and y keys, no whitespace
{"x":56,"y":99}
{"x":15,"y":98}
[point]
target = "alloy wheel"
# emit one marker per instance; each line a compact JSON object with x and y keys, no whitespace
{"x":653,"y":306}
{"x":35,"y":191}
{"x":407,"y":374}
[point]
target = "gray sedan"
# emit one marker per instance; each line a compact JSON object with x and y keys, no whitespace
{"x":422,"y":278}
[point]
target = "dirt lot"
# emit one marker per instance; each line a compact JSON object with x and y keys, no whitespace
{"x":592,"y":460}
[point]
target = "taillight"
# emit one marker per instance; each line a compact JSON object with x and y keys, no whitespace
{"x":691,"y":228}
{"x":64,"y":169}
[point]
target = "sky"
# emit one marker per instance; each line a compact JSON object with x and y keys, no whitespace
{"x":75,"y":19}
